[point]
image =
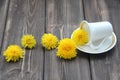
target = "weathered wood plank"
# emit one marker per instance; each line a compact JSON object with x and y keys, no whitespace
{"x":62,"y":17}
{"x":3,"y":15}
{"x":105,"y":66}
{"x":24,"y":17}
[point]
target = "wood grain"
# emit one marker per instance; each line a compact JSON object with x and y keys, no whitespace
{"x":3,"y":16}
{"x":62,"y":17}
{"x":59,"y":17}
{"x":24,"y":17}
{"x":105,"y":66}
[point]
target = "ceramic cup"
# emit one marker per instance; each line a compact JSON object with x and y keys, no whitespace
{"x":98,"y":32}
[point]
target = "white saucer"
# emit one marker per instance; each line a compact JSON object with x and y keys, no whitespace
{"x":107,"y":45}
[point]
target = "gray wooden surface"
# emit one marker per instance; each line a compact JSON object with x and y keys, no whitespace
{"x":59,"y":17}
{"x":105,"y":66}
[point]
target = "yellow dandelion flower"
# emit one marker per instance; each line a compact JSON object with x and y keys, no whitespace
{"x":13,"y":53}
{"x":80,"y":37}
{"x":49,"y":41}
{"x":28,"y":41}
{"x":66,"y":49}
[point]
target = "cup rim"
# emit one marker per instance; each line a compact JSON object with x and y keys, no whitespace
{"x":89,"y":34}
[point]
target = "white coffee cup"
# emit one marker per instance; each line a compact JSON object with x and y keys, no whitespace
{"x":98,"y":32}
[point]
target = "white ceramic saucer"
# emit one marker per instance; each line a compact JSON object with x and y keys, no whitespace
{"x":107,"y":45}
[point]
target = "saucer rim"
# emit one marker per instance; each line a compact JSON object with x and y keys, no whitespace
{"x":103,"y":51}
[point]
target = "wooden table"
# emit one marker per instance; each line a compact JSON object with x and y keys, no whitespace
{"x":59,"y":17}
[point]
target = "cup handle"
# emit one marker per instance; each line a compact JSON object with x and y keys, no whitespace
{"x":97,"y":44}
